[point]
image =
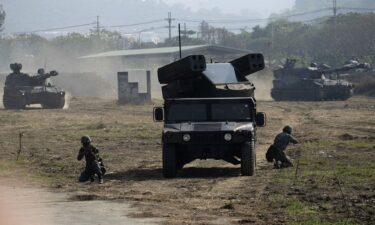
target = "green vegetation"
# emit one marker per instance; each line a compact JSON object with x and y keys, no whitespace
{"x":2,"y":17}
{"x":321,"y":190}
{"x":296,"y":208}
{"x":319,"y":222}
{"x":317,"y":41}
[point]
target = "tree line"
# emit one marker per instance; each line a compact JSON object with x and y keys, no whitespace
{"x":327,"y":40}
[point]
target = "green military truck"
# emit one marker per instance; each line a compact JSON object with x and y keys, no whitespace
{"x":209,"y":112}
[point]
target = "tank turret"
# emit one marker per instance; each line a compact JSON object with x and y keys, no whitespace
{"x":312,"y":83}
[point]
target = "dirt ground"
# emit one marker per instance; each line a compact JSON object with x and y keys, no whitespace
{"x":332,"y":182}
{"x":21,"y":205}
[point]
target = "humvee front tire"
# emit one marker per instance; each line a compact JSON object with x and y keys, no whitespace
{"x":248,"y":159}
{"x":169,"y":161}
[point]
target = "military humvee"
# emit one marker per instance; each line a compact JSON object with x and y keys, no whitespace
{"x":209,"y":112}
{"x":21,"y":90}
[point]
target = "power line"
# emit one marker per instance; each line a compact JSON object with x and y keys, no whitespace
{"x":255,"y":20}
{"x":357,"y":9}
{"x":335,"y":8}
{"x":222,"y":21}
{"x":56,"y":28}
{"x":145,"y":30}
{"x":135,"y":24}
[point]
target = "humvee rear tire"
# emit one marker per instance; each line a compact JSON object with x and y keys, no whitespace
{"x":169,"y":161}
{"x":248,"y":159}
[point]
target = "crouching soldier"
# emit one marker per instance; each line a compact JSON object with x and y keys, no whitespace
{"x":276,"y":152}
{"x":94,"y":164}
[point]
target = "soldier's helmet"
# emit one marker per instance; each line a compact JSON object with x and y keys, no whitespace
{"x":41,"y":71}
{"x":85,"y":140}
{"x":313,"y":64}
{"x":288,"y":129}
{"x":16,"y":67}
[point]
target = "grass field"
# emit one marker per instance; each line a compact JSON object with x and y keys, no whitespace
{"x":332,"y":182}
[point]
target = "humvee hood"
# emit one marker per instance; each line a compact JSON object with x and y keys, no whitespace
{"x":208,"y":126}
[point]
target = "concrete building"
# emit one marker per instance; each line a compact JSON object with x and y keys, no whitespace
{"x":108,"y":64}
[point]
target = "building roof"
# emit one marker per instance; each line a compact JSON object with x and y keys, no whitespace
{"x":194,"y":49}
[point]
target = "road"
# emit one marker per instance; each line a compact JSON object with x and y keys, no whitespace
{"x":34,"y":206}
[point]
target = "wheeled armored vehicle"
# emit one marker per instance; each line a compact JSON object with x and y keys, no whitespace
{"x":209,"y":112}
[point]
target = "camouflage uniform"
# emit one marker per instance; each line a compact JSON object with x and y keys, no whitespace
{"x":275,"y":152}
{"x":282,"y":140}
{"x":91,"y":155}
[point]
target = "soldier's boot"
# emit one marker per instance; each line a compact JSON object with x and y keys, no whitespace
{"x":286,"y":164}
{"x":92,"y":178}
{"x":100,"y":178}
{"x":277,"y":165}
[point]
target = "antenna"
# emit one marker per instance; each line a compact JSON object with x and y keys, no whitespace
{"x":179,"y":39}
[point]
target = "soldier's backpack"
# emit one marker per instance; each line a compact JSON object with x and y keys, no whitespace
{"x":270,"y":154}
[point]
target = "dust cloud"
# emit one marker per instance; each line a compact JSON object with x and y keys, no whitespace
{"x":263,"y":84}
{"x":68,"y":98}
{"x":77,"y":76}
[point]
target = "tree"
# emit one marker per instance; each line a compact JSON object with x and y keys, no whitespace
{"x":2,"y":17}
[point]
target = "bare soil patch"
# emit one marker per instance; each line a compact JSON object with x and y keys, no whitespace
{"x":337,"y":147}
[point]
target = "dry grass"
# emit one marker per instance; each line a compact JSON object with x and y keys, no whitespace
{"x":205,"y":191}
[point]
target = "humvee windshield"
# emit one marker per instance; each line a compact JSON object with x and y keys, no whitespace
{"x":208,"y":112}
{"x":221,"y":73}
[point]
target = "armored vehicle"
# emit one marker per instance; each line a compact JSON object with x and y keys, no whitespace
{"x":209,"y":112}
{"x":314,"y":83}
{"x":21,"y":90}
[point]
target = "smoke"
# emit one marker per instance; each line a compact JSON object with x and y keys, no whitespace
{"x":68,"y":97}
{"x":28,"y":211}
{"x":77,"y":76}
{"x":263,"y":84}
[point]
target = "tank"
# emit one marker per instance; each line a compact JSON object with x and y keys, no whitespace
{"x":314,"y":83}
{"x":22,"y":89}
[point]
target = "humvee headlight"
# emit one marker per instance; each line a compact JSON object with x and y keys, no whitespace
{"x":186,"y":137}
{"x":228,"y":137}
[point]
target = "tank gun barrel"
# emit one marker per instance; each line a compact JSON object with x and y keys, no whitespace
{"x":347,"y":67}
{"x":45,"y":76}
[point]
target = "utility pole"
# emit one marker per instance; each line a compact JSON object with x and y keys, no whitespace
{"x":334,"y":8}
{"x":185,"y":32}
{"x":272,"y":42}
{"x":170,"y":19}
{"x":98,"y":27}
